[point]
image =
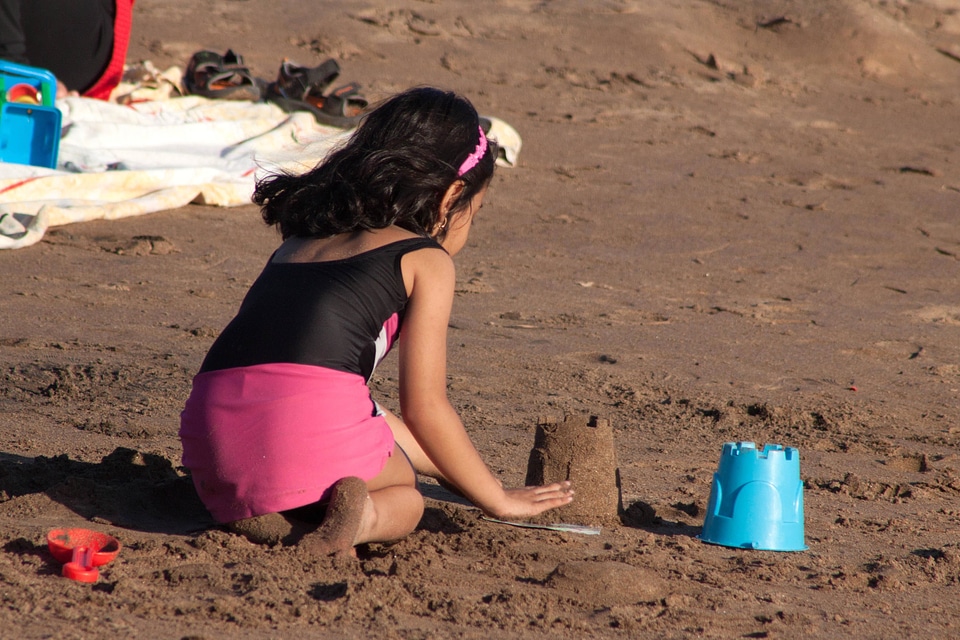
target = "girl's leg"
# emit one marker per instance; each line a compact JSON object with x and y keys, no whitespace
{"x":418,"y":458}
{"x":384,"y":509}
{"x":405,"y":439}
{"x":396,"y":504}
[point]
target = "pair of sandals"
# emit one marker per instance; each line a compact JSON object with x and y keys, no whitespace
{"x":296,"y":88}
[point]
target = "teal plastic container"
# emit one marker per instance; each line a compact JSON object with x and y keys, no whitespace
{"x":756,"y":501}
{"x":29,"y":133}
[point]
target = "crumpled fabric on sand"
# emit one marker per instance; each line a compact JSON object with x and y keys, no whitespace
{"x":118,"y":160}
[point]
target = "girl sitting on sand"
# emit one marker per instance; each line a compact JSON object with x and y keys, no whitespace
{"x":280,"y":418}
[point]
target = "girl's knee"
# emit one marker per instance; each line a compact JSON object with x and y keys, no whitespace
{"x":416,"y":511}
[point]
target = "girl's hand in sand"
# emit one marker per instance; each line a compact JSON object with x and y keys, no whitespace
{"x":530,"y":501}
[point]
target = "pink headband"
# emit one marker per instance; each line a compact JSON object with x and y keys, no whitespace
{"x":474,"y":157}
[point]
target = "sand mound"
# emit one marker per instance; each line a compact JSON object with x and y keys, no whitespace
{"x":607,"y":583}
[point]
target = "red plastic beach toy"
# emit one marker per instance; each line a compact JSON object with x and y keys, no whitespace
{"x":82,"y":551}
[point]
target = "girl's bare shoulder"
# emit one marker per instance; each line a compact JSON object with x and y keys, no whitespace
{"x":428,"y":268}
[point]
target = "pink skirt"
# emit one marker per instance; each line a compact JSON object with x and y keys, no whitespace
{"x":268,"y":438}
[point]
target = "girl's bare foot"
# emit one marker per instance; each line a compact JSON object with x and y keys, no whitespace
{"x":348,"y":514}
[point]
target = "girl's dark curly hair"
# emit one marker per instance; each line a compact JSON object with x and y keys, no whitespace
{"x":393,"y":170}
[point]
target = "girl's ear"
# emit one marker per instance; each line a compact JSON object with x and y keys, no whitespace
{"x":451,"y":196}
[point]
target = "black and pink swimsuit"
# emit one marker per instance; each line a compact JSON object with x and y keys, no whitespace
{"x":281,"y":409}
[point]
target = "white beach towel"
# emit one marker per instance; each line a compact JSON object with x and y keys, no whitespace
{"x":117,"y":161}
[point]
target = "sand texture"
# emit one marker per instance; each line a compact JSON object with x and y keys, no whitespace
{"x":730,"y":221}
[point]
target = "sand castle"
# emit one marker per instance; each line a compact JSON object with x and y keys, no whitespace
{"x":578,"y":448}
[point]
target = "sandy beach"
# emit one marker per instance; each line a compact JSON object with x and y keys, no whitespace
{"x":728,"y":222}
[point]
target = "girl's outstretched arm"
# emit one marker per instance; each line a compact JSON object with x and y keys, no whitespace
{"x":427,"y":412}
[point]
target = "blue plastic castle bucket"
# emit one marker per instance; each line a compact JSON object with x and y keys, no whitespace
{"x":756,"y":501}
{"x":29,"y":131}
